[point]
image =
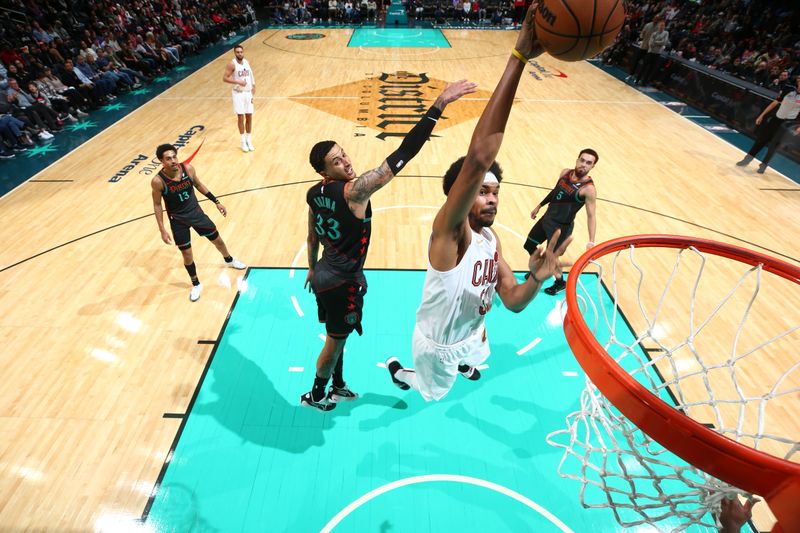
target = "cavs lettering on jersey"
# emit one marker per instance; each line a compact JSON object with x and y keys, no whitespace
{"x":241,"y":71}
{"x":455,"y":302}
{"x":566,"y":200}
{"x":344,"y":237}
{"x":179,"y":197}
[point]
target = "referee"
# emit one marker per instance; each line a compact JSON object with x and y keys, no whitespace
{"x":770,"y":131}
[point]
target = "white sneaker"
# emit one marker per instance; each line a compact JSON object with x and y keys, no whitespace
{"x":45,"y":135}
{"x":194,"y":294}
{"x":245,"y":148}
{"x":250,"y":145}
{"x":235,"y":263}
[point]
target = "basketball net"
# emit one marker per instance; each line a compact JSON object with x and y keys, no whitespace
{"x":678,"y":309}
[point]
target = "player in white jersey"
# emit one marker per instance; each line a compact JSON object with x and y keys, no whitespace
{"x":240,"y":75}
{"x":465,"y":259}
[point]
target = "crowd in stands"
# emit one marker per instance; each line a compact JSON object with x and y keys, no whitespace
{"x":477,"y":13}
{"x":755,"y":40}
{"x":62,"y":59}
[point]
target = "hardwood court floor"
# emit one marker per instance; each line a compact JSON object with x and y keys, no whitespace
{"x":99,"y":337}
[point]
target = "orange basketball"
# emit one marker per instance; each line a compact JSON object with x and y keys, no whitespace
{"x":572,"y":30}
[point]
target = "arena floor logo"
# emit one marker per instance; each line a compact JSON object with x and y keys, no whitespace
{"x":153,"y":164}
{"x":305,"y":36}
{"x":391,"y":103}
{"x":540,"y":72}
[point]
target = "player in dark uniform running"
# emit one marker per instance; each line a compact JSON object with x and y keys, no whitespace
{"x":175,"y":184}
{"x":574,"y":189}
{"x":339,"y":217}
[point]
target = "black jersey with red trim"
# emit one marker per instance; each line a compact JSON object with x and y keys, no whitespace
{"x":566,"y":200}
{"x":179,"y":197}
{"x":344,"y":236}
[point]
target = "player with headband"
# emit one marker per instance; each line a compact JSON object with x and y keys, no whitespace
{"x":465,"y":259}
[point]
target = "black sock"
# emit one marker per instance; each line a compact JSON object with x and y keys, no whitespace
{"x":192,"y":270}
{"x":318,"y":392}
{"x":227,"y":259}
{"x":338,"y":379}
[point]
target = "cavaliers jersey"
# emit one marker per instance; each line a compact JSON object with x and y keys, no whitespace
{"x":179,"y":196}
{"x":344,"y":237}
{"x":455,"y":302}
{"x":566,"y":200}
{"x":241,"y":71}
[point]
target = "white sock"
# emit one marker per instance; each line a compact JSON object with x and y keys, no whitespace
{"x":409,"y":377}
{"x":249,"y":139}
{"x":244,"y":137}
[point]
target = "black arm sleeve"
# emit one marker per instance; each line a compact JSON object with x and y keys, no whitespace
{"x":413,"y":142}
{"x":548,"y":198}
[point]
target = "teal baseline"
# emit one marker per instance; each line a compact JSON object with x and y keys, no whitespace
{"x":249,"y":458}
{"x":398,"y":38}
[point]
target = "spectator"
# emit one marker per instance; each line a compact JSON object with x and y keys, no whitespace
{"x":659,"y":40}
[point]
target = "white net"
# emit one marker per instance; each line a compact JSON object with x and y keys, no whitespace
{"x":716,"y":339}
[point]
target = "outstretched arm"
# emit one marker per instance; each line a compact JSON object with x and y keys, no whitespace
{"x":590,"y":197}
{"x":204,"y":190}
{"x":451,"y":220}
{"x":360,"y":190}
{"x":543,"y":263}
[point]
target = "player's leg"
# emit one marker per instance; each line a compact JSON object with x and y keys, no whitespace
{"x":206,"y":228}
{"x":558,"y":283}
{"x":472,"y":354}
{"x":183,"y":240}
{"x":536,"y":236}
{"x":340,"y":308}
{"x":248,"y":126}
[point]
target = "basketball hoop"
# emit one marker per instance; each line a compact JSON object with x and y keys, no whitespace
{"x":729,"y":452}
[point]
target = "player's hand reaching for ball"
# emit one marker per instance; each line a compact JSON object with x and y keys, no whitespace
{"x":545,"y":262}
{"x":527,"y":42}
{"x":454,"y":91}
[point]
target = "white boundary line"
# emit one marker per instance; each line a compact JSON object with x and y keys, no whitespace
{"x":341,"y":515}
{"x":296,"y":305}
{"x":528,"y":347}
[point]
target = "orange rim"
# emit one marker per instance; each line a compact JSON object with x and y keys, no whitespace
{"x":777,"y":480}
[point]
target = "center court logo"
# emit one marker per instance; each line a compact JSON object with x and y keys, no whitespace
{"x":154,"y":163}
{"x":391,"y":103}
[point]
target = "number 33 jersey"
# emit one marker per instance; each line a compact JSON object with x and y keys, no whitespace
{"x":344,"y":237}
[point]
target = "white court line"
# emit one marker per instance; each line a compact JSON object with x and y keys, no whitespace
{"x":380,"y":365}
{"x":529,"y":346}
{"x":297,"y":307}
{"x":481,"y":367}
{"x":341,"y":515}
{"x":569,"y":374}
{"x":296,"y":369}
{"x":321,"y":337}
{"x":695,"y":116}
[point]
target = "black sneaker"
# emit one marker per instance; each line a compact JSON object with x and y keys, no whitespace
{"x":323,"y":405}
{"x":558,"y":286}
{"x":7,"y":155}
{"x":744,"y":162}
{"x":393,"y":365}
{"x":341,"y":394}
{"x":469,"y":372}
{"x":761,"y":168}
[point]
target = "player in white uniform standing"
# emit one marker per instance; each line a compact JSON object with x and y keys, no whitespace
{"x":240,"y":75}
{"x":465,"y":259}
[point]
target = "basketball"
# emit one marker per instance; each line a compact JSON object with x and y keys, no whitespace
{"x":573,"y":30}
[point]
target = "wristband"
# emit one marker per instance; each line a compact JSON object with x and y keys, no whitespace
{"x":516,"y":53}
{"x":211,"y":197}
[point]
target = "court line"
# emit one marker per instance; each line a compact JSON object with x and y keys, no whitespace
{"x":341,"y":515}
{"x":296,"y":305}
{"x":528,"y":347}
{"x":294,"y":262}
{"x":296,"y":369}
